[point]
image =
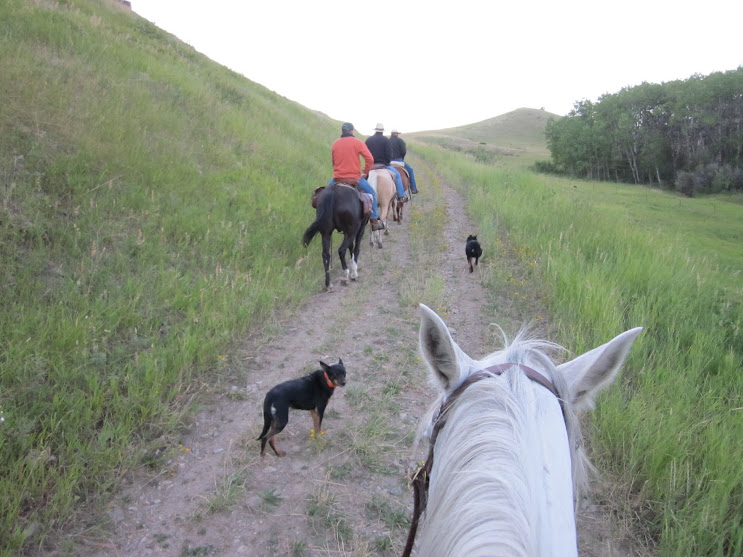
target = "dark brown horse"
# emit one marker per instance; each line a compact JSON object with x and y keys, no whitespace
{"x":339,"y":208}
{"x":397,"y":206}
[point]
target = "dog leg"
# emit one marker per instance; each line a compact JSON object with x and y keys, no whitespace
{"x":270,"y":438}
{"x":272,"y":442}
{"x":316,"y":422}
{"x":278,"y":423}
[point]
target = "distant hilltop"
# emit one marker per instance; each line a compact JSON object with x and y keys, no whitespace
{"x":520,"y":127}
{"x":515,"y":133}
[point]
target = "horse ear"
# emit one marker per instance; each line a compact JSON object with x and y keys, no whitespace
{"x":440,"y":352}
{"x":595,"y":370}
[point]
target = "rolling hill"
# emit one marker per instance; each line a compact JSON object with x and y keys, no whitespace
{"x":516,"y":137}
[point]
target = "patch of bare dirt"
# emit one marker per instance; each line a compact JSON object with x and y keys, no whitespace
{"x":341,"y":493}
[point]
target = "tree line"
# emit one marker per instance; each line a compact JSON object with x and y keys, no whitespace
{"x":685,"y":135}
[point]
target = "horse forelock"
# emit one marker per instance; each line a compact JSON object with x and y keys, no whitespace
{"x":537,"y":354}
{"x":486,"y":453}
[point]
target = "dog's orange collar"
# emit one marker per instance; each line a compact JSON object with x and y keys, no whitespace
{"x":330,"y":383}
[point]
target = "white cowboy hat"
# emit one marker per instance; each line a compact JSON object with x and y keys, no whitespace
{"x":394,"y":130}
{"x":379,"y":128}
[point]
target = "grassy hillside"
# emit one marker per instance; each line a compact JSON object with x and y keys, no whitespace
{"x":151,"y":211}
{"x":515,"y":138}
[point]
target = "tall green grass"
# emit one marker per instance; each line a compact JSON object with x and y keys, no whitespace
{"x":612,"y":257}
{"x":151,"y":209}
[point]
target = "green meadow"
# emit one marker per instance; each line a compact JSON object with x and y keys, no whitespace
{"x":610,"y":256}
{"x":151,"y":210}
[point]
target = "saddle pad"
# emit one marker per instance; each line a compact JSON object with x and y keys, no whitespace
{"x":367,"y":200}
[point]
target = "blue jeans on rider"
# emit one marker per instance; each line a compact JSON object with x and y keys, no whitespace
{"x":366,"y":188}
{"x":413,"y":185}
{"x":398,"y":181}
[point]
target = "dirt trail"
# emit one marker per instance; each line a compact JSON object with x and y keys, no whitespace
{"x":342,"y":493}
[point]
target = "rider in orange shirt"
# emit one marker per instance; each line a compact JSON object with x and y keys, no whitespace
{"x":346,"y":153}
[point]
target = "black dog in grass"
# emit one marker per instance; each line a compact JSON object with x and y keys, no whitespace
{"x":311,"y":392}
{"x":473,"y":250}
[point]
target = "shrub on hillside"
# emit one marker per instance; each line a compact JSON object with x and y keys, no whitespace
{"x":546,"y":167}
{"x":711,"y":178}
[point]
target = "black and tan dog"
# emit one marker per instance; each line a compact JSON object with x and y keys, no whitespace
{"x":473,"y":251}
{"x":311,"y":392}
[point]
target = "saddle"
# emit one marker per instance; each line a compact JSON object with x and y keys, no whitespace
{"x":366,"y":199}
{"x":381,"y":166}
{"x":400,"y":166}
{"x":315,"y":195}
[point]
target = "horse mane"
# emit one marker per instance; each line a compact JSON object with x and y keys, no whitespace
{"x":481,"y":445}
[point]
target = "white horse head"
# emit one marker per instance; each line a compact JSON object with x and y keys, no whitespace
{"x":508,"y":464}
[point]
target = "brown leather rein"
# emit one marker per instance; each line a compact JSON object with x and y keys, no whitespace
{"x":422,"y":476}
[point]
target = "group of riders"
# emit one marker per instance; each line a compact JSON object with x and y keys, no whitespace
{"x":347,"y":152}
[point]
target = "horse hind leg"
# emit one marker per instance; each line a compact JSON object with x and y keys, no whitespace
{"x":354,"y":267}
{"x":326,"y":261}
{"x":345,"y":244}
{"x":356,"y":250}
{"x":353,"y":259}
{"x":375,"y":238}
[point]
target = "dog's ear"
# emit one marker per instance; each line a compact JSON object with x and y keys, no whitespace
{"x":340,"y":363}
{"x":324,"y":366}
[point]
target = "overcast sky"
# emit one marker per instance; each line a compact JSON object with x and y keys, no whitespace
{"x":424,"y":64}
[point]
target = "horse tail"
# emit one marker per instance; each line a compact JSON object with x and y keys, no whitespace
{"x":324,"y":211}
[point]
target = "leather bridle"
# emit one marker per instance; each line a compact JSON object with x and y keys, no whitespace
{"x":421,"y":478}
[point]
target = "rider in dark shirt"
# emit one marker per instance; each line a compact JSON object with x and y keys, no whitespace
{"x":399,"y":150}
{"x":381,"y":150}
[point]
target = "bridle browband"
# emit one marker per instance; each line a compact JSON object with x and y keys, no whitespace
{"x":422,"y":476}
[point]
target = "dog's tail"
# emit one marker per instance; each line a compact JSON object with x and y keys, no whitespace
{"x":324,"y":212}
{"x":267,"y":417}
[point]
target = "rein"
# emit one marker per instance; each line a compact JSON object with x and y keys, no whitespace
{"x":422,"y":476}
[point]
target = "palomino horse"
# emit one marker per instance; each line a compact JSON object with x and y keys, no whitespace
{"x":339,"y":208}
{"x":505,"y":464}
{"x":384,"y":185}
{"x":397,"y":207}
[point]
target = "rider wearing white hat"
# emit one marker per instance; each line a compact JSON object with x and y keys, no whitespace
{"x":381,"y":150}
